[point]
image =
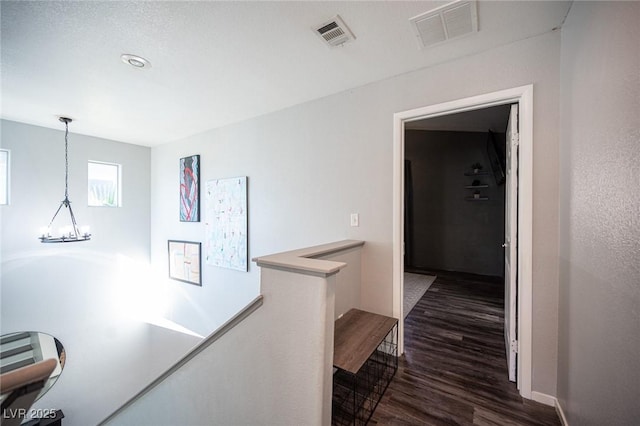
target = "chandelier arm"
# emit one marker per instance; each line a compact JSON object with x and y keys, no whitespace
{"x":56,"y":214}
{"x":73,"y":220}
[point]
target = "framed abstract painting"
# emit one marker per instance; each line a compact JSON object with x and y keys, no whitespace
{"x":185,"y":261}
{"x":226,"y":223}
{"x":190,"y":189}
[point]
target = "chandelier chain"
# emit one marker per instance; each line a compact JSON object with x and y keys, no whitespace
{"x":66,"y":161}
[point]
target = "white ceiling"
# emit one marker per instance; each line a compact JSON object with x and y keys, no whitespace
{"x":216,"y":63}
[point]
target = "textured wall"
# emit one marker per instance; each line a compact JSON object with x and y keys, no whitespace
{"x":599,"y":327}
{"x":449,"y":232}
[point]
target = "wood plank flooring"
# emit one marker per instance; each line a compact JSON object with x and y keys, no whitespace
{"x":454,"y":370}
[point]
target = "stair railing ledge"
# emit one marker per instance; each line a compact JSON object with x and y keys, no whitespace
{"x":304,"y":260}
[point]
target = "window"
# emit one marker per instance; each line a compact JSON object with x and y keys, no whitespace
{"x":104,"y":184}
{"x":4,"y":177}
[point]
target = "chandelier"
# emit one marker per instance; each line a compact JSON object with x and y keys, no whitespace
{"x":70,"y":233}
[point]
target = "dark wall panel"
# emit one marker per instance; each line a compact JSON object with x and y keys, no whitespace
{"x":446,"y":231}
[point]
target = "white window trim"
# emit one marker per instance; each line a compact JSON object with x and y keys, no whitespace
{"x":8,"y":177}
{"x":119,"y":189}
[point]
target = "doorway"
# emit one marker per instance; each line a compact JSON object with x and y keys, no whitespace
{"x":522,"y":97}
{"x":455,"y":192}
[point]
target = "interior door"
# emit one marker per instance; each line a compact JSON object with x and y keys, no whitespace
{"x":511,"y":243}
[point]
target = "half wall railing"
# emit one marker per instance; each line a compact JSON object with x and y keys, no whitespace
{"x":272,"y":363}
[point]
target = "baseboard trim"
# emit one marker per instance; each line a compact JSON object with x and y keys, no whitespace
{"x":552,"y":401}
{"x":560,"y":411}
{"x":543,"y":398}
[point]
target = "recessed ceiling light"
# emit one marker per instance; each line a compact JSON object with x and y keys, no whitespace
{"x":135,"y":61}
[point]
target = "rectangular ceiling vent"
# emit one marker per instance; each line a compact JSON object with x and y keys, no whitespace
{"x":335,"y":32}
{"x":447,"y":22}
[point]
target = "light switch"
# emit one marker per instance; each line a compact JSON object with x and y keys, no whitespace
{"x":355,"y":220}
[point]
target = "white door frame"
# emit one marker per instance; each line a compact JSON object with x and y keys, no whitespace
{"x":523,"y":96}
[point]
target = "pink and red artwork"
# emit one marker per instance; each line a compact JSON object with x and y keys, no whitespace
{"x":190,"y":189}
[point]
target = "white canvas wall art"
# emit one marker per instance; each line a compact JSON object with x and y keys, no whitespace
{"x":226,"y":223}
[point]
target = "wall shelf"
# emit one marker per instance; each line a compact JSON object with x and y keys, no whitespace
{"x":477,"y":184}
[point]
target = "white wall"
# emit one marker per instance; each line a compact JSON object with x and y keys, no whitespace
{"x":89,"y":295}
{"x":599,"y":327}
{"x":312,"y":165}
{"x":348,"y":281}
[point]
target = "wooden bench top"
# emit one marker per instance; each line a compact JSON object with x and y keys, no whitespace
{"x":357,"y":335}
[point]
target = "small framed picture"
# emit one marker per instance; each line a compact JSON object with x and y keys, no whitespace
{"x":190,"y":189}
{"x":185,"y":261}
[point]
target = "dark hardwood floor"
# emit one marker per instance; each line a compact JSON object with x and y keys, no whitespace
{"x":454,"y":369}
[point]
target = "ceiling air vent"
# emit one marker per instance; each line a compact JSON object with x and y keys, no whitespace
{"x":335,"y":32}
{"x":445,"y":23}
